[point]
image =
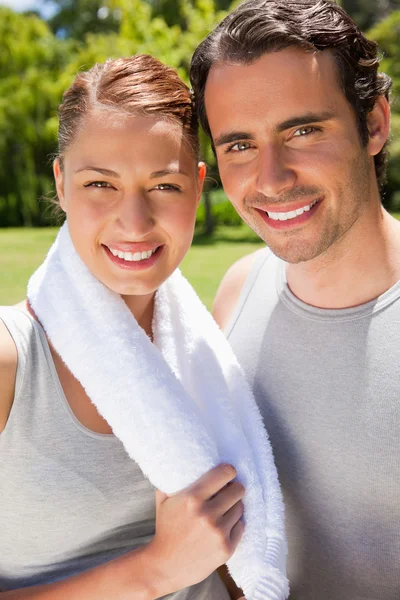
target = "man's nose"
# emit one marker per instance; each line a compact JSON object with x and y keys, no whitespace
{"x":275,"y":175}
{"x":135,"y":215}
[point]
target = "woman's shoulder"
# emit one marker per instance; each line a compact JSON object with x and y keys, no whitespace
{"x":8,"y":371}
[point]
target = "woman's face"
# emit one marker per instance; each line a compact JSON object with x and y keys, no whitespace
{"x":130,"y":186}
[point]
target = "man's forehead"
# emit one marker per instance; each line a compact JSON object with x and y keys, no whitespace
{"x":281,"y":84}
{"x":273,"y":67}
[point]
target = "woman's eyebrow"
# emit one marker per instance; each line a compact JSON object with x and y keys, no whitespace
{"x":99,"y":170}
{"x":164,"y":172}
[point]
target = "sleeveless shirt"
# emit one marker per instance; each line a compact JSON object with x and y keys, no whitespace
{"x":327,"y":383}
{"x":70,"y":498}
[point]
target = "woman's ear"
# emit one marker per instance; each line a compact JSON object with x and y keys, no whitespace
{"x":378,"y":122}
{"x":201,"y":170}
{"x":59,"y":180}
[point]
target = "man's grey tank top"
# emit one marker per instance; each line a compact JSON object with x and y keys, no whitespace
{"x":328,"y":385}
{"x":70,"y":499}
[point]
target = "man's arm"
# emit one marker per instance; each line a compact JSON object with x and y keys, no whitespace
{"x":224,"y":304}
{"x":230,"y":287}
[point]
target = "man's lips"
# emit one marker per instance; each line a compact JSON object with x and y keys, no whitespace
{"x":287,"y":216}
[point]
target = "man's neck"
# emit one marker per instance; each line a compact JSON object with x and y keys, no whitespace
{"x":358,"y":268}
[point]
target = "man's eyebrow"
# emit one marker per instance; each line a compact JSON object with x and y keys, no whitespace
{"x":107,"y":172}
{"x":233,"y":136}
{"x":165,"y":172}
{"x":297,"y":121}
{"x":305,"y":119}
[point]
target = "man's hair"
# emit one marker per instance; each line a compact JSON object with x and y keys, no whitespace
{"x":257,"y":27}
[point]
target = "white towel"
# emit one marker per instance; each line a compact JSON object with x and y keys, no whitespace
{"x":180,"y":406}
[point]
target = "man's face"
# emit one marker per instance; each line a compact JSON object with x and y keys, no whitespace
{"x":289,"y":151}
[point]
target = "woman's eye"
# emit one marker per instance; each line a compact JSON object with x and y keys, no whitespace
{"x":239,"y":147}
{"x":98,"y":184}
{"x":167,"y":187}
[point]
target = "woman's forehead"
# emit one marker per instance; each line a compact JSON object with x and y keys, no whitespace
{"x":129,"y":140}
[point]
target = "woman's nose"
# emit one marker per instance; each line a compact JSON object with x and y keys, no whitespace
{"x":135,"y":216}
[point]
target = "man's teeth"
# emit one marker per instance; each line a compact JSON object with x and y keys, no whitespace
{"x":132,"y":256}
{"x":285,"y":216}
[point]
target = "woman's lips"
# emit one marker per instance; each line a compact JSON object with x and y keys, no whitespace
{"x":131,"y":260}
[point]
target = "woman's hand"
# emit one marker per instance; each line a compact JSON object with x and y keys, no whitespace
{"x":197,"y":530}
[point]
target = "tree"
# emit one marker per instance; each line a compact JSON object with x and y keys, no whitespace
{"x":367,"y":13}
{"x":387,"y":34}
{"x":31,"y":60}
{"x":76,"y":18}
{"x":36,"y":66}
{"x":141,"y":33}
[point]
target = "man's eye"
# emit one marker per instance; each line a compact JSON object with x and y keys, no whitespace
{"x":98,"y":184}
{"x":239,"y":147}
{"x":303,"y":131}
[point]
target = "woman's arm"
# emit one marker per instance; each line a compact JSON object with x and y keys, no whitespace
{"x":197,"y":531}
{"x":8,"y":370}
{"x":124,"y":578}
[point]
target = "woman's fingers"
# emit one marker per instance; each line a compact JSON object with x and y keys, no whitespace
{"x":236,"y":534}
{"x":212,"y":482}
{"x":226,"y":498}
{"x":232,"y":516}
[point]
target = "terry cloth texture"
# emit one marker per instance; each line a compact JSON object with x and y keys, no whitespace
{"x":70,"y":498}
{"x":180,"y":406}
{"x":328,"y":385}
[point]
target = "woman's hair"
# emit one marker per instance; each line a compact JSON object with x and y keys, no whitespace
{"x":257,"y":27}
{"x":138,"y":85}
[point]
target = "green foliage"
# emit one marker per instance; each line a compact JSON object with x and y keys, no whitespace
{"x":76,"y":18}
{"x":30,"y":62}
{"x":387,"y":34}
{"x":223,"y":214}
{"x":369,"y":12}
{"x":36,"y":66}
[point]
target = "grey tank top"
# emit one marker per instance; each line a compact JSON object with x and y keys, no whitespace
{"x":328,"y":385}
{"x":70,"y":499}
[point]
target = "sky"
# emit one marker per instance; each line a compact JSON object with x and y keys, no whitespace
{"x":20,"y":5}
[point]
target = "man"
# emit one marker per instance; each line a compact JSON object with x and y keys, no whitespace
{"x":288,"y":90}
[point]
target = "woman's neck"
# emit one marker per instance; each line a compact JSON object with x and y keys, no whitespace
{"x":142,"y":308}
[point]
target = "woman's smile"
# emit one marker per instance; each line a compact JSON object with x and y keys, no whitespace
{"x":135,"y":260}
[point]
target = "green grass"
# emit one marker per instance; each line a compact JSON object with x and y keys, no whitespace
{"x":22,"y":251}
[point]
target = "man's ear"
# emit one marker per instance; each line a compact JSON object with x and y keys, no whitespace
{"x":201,"y":170}
{"x":378,"y":122}
{"x":59,"y":180}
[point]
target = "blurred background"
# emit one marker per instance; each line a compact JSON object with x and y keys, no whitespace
{"x":44,"y":43}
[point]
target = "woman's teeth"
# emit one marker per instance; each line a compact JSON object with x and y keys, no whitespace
{"x":132,"y":256}
{"x":285,"y":216}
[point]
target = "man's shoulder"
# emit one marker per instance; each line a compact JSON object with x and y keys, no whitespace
{"x":231,"y":286}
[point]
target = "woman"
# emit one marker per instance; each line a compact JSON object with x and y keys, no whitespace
{"x":79,"y":519}
{"x":129,"y":186}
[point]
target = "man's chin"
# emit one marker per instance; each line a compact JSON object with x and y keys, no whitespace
{"x":295,"y":251}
